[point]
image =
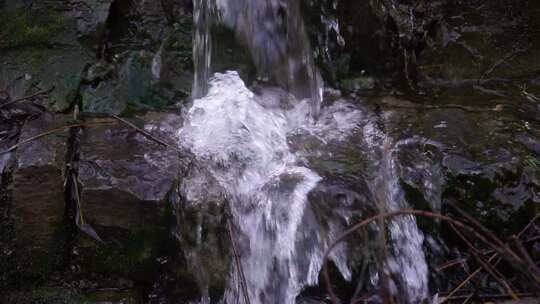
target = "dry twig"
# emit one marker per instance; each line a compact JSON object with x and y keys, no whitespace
{"x":479,"y":269}
{"x":238,"y":263}
{"x":50,"y":132}
{"x":27,"y":97}
{"x":497,"y":276}
{"x":146,"y":134}
{"x":447,"y":219}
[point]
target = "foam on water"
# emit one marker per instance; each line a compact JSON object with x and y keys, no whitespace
{"x":242,"y":139}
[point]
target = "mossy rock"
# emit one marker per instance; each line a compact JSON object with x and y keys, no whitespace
{"x":25,"y":28}
{"x":40,"y":47}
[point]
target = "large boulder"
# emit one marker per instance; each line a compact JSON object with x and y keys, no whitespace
{"x":478,"y":152}
{"x":91,"y":17}
{"x":32,"y":201}
{"x":128,"y":182}
{"x":38,"y":181}
{"x":125,"y":177}
{"x":144,"y":54}
{"x":480,"y":155}
{"x":431,"y":43}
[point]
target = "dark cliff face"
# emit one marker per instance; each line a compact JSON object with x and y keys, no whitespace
{"x":461,"y":78}
{"x":106,"y":56}
{"x":426,"y":44}
{"x":121,"y":56}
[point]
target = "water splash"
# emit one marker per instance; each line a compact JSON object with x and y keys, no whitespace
{"x":242,"y":139}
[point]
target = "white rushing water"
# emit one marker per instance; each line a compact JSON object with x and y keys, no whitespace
{"x":242,"y":140}
{"x":4,"y":159}
{"x":273,"y":31}
{"x":406,"y":264}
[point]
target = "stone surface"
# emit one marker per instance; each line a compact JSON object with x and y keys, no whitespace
{"x":434,"y":43}
{"x":38,"y":181}
{"x":469,"y":150}
{"x":42,"y":48}
{"x":91,"y":17}
{"x":475,"y":151}
{"x":125,"y":177}
{"x":51,"y":45}
{"x":201,"y":228}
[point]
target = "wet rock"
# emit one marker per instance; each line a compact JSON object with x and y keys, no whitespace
{"x":202,"y":231}
{"x":339,"y":31}
{"x":479,"y":157}
{"x":138,"y":80}
{"x":441,"y":43}
{"x":91,"y":19}
{"x":33,"y":231}
{"x":4,"y":160}
{"x":99,"y":100}
{"x":56,"y":71}
{"x":42,"y":49}
{"x":125,"y":182}
{"x":466,"y":150}
{"x":359,"y":83}
{"x":38,"y":181}
{"x":99,"y":71}
{"x":492,"y":42}
{"x":9,"y":132}
{"x":125,"y":177}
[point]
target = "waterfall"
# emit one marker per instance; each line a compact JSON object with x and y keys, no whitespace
{"x":273,"y":31}
{"x":202,"y":46}
{"x":242,"y":139}
{"x":406,"y":264}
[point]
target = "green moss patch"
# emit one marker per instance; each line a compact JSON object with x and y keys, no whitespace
{"x":21,"y":28}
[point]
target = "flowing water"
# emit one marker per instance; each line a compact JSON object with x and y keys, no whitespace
{"x":202,"y":46}
{"x":406,"y":263}
{"x":4,"y":159}
{"x":243,"y":139}
{"x":274,"y":33}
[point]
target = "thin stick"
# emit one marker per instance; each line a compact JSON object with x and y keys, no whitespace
{"x":516,"y":260}
{"x":50,"y":132}
{"x":468,"y":298}
{"x":485,"y":265}
{"x":146,"y":134}
{"x":238,"y":263}
{"x":365,"y":222}
{"x":490,"y":234}
{"x":360,"y":284}
{"x":450,"y":264}
{"x":525,"y":255}
{"x":382,"y":257}
{"x":490,"y":296}
{"x":472,"y":275}
{"x":27,"y":97}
